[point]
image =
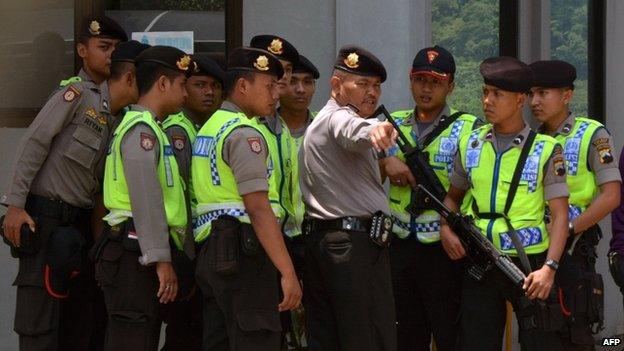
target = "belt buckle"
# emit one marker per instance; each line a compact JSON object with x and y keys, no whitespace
{"x":347,"y":223}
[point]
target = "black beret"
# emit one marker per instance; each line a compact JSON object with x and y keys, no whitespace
{"x":354,"y":59}
{"x":553,"y":74}
{"x":103,"y":27}
{"x":305,"y":66}
{"x":206,"y":66}
{"x":278,"y":46}
{"x":436,"y":60}
{"x":255,"y":60}
{"x":169,"y":57}
{"x":127,"y":51}
{"x":507,"y":73}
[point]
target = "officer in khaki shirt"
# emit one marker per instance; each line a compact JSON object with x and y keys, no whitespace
{"x":52,"y":186}
{"x":592,"y":170}
{"x":347,"y":286}
{"x":204,"y":89}
{"x":238,"y":203}
{"x":145,"y":199}
{"x":486,"y":162}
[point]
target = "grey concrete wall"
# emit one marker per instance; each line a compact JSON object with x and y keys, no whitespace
{"x":9,"y":139}
{"x":394,"y":31}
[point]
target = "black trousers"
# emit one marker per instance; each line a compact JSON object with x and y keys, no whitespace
{"x":617,"y":272}
{"x":291,"y":320}
{"x":134,"y":313}
{"x":240,"y":309}
{"x":348,"y":293}
{"x":483,"y":313}
{"x":427,"y":292}
{"x":584,"y":259}
{"x":184,"y":324}
{"x":43,"y":322}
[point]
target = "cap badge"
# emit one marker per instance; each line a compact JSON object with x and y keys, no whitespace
{"x":195,"y":67}
{"x":262,"y":63}
{"x":184,"y":62}
{"x":276,"y":47}
{"x":352,"y":61}
{"x":432,"y":55}
{"x":94,"y":28}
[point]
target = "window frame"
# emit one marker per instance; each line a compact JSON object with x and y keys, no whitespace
{"x":23,"y":117}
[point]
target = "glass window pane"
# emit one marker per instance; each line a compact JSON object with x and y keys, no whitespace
{"x":205,"y":18}
{"x":469,"y":30}
{"x":568,"y":41}
{"x":36,"y":53}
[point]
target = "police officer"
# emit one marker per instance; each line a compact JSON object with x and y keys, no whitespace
{"x":295,"y":113}
{"x":285,"y":159}
{"x":348,"y":290}
{"x":592,"y":168}
{"x":426,"y":282}
{"x":616,"y":245}
{"x":147,"y":210}
{"x":295,"y":102}
{"x":51,"y":191}
{"x":238,"y":213}
{"x":488,"y":162}
{"x":97,"y":40}
{"x":204,"y":88}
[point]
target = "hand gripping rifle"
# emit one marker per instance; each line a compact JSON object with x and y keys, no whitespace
{"x":481,"y":252}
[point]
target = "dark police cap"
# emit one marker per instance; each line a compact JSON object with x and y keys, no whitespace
{"x":436,"y":61}
{"x":255,"y":60}
{"x":207,"y":66}
{"x":553,"y":74}
{"x":354,"y":59}
{"x":305,"y":66}
{"x":169,"y":57}
{"x":278,"y":46}
{"x":103,"y":27}
{"x":127,"y":51}
{"x":507,"y":73}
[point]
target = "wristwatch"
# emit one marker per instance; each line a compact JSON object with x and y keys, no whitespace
{"x":552,"y":264}
{"x":571,"y":229}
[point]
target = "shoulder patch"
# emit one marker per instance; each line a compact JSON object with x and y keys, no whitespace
{"x":179,"y":142}
{"x":558,"y":161}
{"x":70,"y":94}
{"x":147,"y":141}
{"x":600,"y":142}
{"x":255,"y":144}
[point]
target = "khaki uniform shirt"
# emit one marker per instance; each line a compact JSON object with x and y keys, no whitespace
{"x":60,"y":155}
{"x":338,"y":166}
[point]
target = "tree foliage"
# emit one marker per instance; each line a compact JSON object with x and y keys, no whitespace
{"x":469,"y":30}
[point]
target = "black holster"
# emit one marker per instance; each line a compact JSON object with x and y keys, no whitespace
{"x":30,"y":243}
{"x":63,"y":260}
{"x":542,"y":315}
{"x":229,"y":238}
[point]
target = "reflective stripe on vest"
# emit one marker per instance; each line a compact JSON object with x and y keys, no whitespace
{"x":116,"y":196}
{"x":441,"y":152}
{"x":490,"y":174}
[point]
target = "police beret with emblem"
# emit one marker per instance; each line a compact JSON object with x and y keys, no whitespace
{"x":436,"y":61}
{"x":354,"y":59}
{"x":278,"y":46}
{"x":254,"y":60}
{"x":553,"y":74}
{"x":208,"y":66}
{"x":102,"y":27}
{"x":169,"y":57}
{"x":507,"y":73}
{"x":127,"y":51}
{"x":305,"y":66}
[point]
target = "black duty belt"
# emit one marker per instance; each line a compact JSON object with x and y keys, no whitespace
{"x":345,"y":223}
{"x":64,"y":212}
